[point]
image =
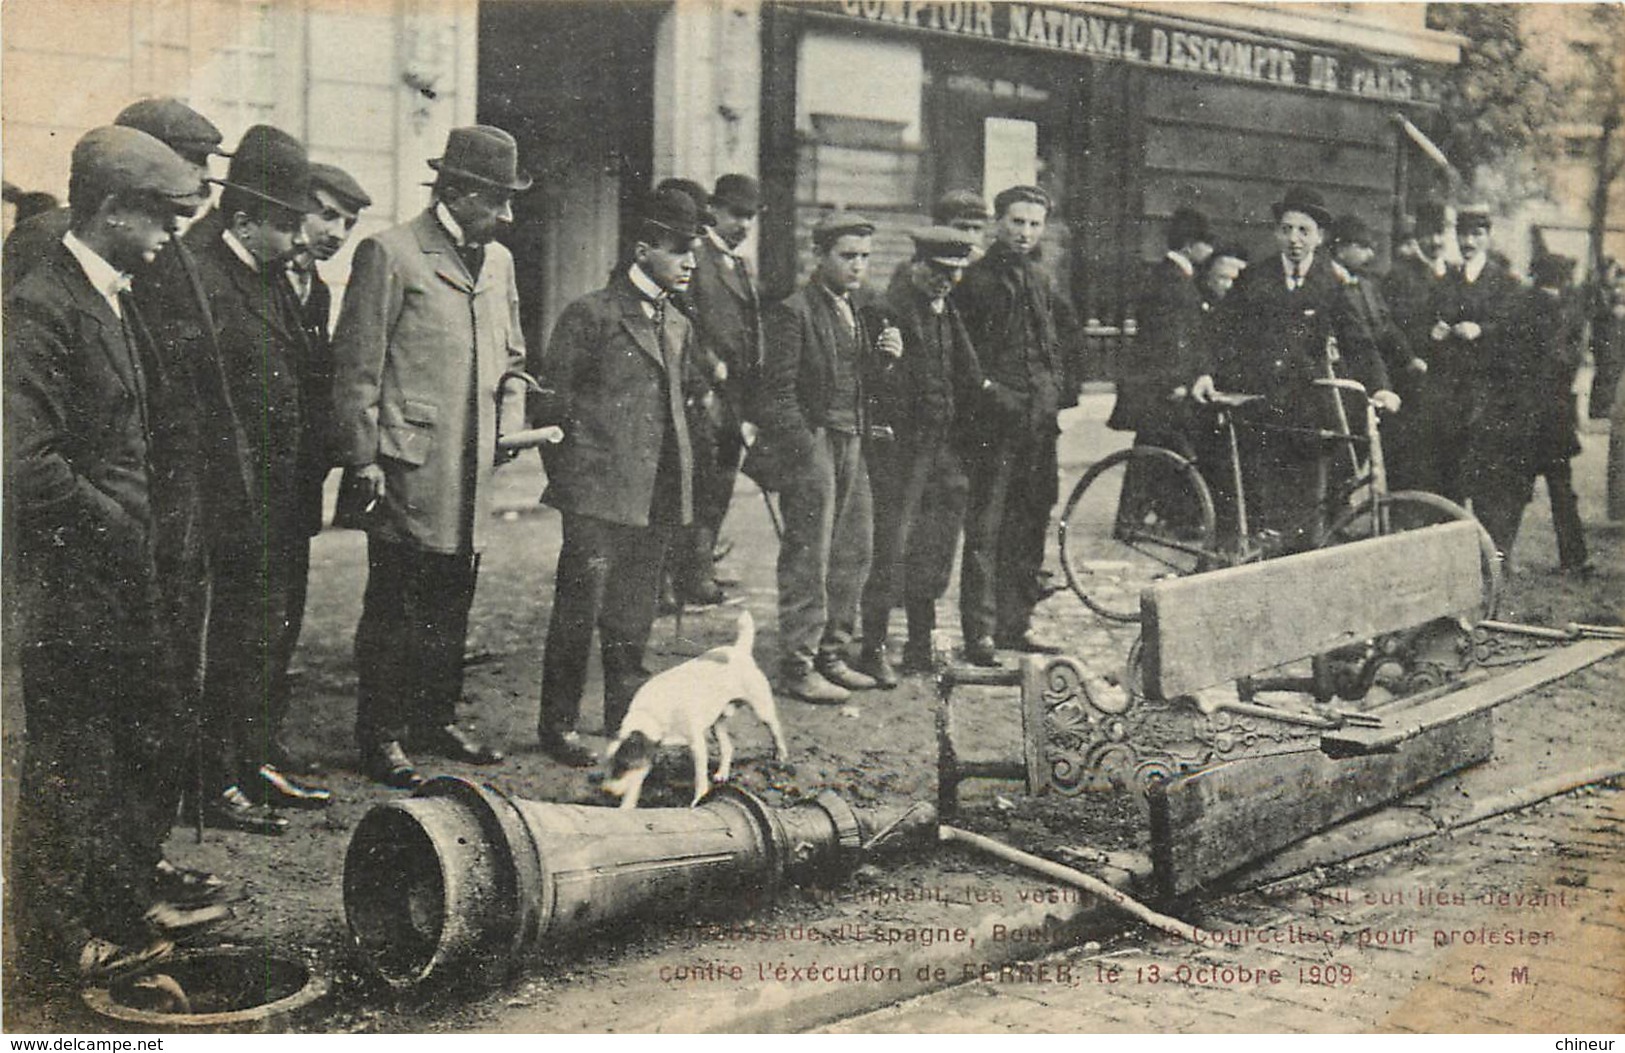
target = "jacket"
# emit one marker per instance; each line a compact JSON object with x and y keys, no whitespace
{"x":418,"y":352}
{"x":728,"y":323}
{"x":1166,"y":355}
{"x":77,"y":469}
{"x":616,"y":393}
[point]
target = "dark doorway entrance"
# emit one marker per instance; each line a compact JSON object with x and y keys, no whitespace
{"x":572,"y":80}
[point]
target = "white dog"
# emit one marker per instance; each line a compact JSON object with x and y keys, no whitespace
{"x":681,"y":704}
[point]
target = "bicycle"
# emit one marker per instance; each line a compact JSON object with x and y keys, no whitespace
{"x":1116,"y":539}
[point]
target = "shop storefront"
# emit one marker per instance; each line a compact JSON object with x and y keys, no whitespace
{"x":1121,"y":113}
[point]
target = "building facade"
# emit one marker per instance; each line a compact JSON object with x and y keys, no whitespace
{"x":1122,"y":112}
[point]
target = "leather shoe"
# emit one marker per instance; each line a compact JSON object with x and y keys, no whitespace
{"x":875,"y":665}
{"x":834,"y":669}
{"x":917,"y":659}
{"x":184,"y":886}
{"x":981,"y":651}
{"x":567,"y":748}
{"x":453,"y":743}
{"x":810,"y":686}
{"x":232,"y":810}
{"x":273,"y":787}
{"x":280,"y":757}
{"x":173,"y":922}
{"x":387,"y":763}
{"x":1026,"y":643}
{"x":701,"y":594}
{"x":102,"y":960}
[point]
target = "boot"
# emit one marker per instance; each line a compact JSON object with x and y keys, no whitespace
{"x":694,"y":576}
{"x":873,"y":663}
{"x":918,"y":655}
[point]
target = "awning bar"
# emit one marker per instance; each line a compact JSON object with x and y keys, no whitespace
{"x":1428,"y":147}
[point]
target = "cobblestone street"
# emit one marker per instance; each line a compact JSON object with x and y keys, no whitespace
{"x":1513,"y":925}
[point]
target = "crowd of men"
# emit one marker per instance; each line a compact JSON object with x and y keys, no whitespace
{"x":175,"y":402}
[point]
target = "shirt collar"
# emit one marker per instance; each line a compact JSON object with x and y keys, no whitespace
{"x":239,"y":250}
{"x":447,"y":220}
{"x":1183,"y":263}
{"x":644,"y":284}
{"x":105,"y":278}
{"x":1303,"y":268}
{"x":844,"y":297}
{"x":717,"y":240}
{"x":1474,"y":267}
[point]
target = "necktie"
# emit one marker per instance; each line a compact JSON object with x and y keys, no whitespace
{"x":301,"y":283}
{"x":1293,"y":278}
{"x":843,"y":304}
{"x":473,"y":256}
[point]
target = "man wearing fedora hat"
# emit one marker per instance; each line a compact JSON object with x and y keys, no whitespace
{"x":83,"y":886}
{"x":1272,"y":336}
{"x":430,"y":323}
{"x":728,"y":330}
{"x":618,"y":362}
{"x":241,"y":255}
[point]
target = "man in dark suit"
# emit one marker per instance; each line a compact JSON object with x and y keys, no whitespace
{"x":1528,"y":422}
{"x":340,"y":200}
{"x":728,"y":330}
{"x":429,"y":326}
{"x":100,"y":729}
{"x":1273,"y":336}
{"x":1410,"y":439}
{"x":813,"y":410}
{"x":917,"y":399}
{"x":1474,"y":309}
{"x":623,"y":476}
{"x":242,"y":258}
{"x":1165,"y":359}
{"x":1020,"y":326}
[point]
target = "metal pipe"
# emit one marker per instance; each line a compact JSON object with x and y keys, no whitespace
{"x":465,"y":876}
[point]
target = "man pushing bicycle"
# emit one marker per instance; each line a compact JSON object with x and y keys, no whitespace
{"x":1283,"y":326}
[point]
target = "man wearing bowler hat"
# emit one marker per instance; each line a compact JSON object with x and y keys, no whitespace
{"x":623,"y":476}
{"x":241,"y":260}
{"x":83,"y":888}
{"x":429,"y":325}
{"x":728,"y":330}
{"x":1271,"y":336}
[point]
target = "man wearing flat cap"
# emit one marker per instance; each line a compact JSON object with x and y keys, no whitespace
{"x":1022,"y":330}
{"x":430,"y":324}
{"x":84,"y":886}
{"x":964,"y":211}
{"x":242,"y":252}
{"x":171,"y":122}
{"x":339,"y":200}
{"x":812,"y":406}
{"x":728,"y":331}
{"x":919,"y":468}
{"x":618,"y":365}
{"x":1474,"y":310}
{"x":1272,"y":336}
{"x":1353,"y":248}
{"x":1164,"y":363}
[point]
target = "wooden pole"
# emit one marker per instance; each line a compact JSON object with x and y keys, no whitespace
{"x":1077,"y":878}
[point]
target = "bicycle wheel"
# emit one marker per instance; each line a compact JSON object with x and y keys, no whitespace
{"x":1137,"y":516}
{"x":1410,"y":509}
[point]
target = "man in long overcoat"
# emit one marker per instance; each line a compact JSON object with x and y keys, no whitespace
{"x":430,"y":324}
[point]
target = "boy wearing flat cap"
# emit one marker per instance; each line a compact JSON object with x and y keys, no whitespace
{"x":101,"y":726}
{"x":813,"y":409}
{"x":416,"y":411}
{"x":618,"y":363}
{"x":919,"y":468}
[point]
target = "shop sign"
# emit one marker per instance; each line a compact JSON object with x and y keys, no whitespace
{"x":1149,"y":41}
